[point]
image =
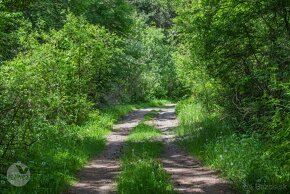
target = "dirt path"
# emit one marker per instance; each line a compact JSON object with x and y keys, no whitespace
{"x":187,"y":174}
{"x":99,"y":176}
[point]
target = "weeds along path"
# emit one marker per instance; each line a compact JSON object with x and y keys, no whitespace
{"x":187,"y":174}
{"x":99,"y":176}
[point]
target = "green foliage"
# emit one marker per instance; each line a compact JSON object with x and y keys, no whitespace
{"x":118,"y":19}
{"x":242,"y":159}
{"x":150,"y":71}
{"x":53,"y":82}
{"x":46,"y":15}
{"x":158,"y":12}
{"x":10,"y":23}
{"x":51,"y":14}
{"x":234,"y":55}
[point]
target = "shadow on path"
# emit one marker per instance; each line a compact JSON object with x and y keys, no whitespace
{"x":187,"y":174}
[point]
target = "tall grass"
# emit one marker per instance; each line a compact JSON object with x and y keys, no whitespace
{"x":142,"y":173}
{"x":54,"y":160}
{"x":243,"y":159}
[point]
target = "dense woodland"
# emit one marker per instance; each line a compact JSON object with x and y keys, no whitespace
{"x":64,"y":64}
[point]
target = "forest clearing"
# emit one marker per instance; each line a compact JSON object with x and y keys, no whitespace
{"x":144,"y":97}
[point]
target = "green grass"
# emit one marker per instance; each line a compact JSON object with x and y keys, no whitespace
{"x":142,"y":173}
{"x":143,"y":132}
{"x":243,"y":159}
{"x":145,"y":176}
{"x":54,"y":160}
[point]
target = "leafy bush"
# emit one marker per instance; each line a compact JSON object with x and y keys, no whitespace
{"x":52,"y":83}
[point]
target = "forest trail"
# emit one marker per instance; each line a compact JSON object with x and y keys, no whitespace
{"x":187,"y":173}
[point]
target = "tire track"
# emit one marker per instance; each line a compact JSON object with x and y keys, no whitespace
{"x":99,"y":176}
{"x":187,"y":173}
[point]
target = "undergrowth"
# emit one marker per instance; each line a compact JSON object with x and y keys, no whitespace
{"x":243,"y":158}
